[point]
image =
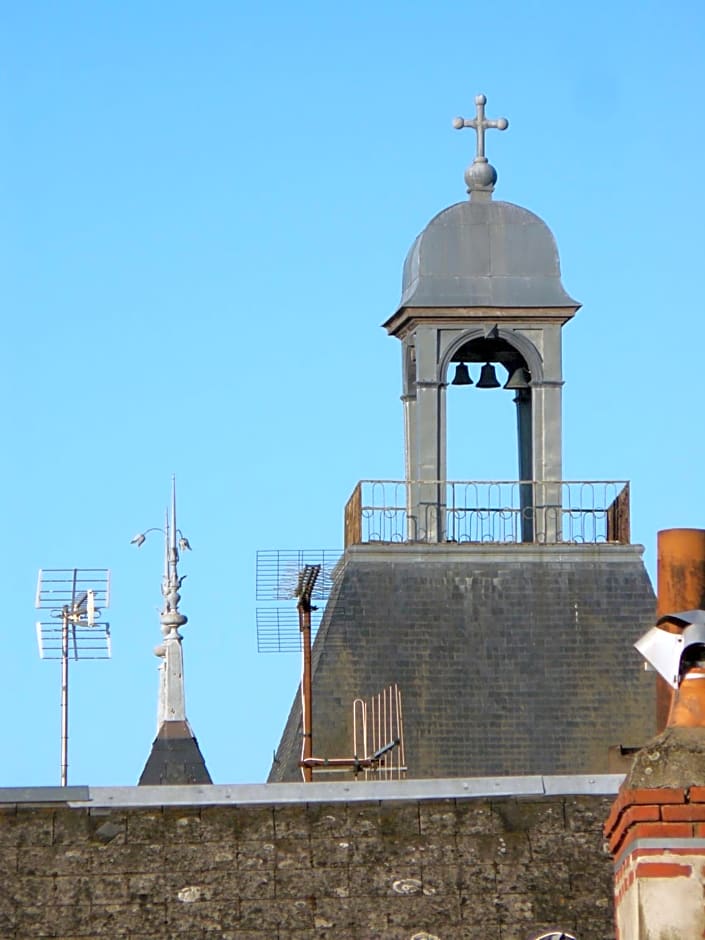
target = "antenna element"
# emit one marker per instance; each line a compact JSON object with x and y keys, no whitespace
{"x":75,"y":597}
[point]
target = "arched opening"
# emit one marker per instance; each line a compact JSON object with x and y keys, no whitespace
{"x":489,"y":420}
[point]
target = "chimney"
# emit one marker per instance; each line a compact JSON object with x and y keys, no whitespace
{"x":656,"y":829}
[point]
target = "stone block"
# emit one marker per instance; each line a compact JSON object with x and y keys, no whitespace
{"x":389,"y":880}
{"x":438,"y":818}
{"x":416,"y":914}
{"x":292,"y":822}
{"x":186,"y":918}
{"x":220,"y":824}
{"x":122,"y":920}
{"x":254,"y":823}
{"x":187,"y":857}
{"x":586,"y":814}
{"x":23,"y":827}
{"x":331,"y":852}
{"x":256,"y":855}
{"x":282,"y":915}
{"x":536,"y":815}
{"x":182,"y":824}
{"x":90,"y":889}
{"x":145,"y":826}
{"x":477,"y":817}
{"x":293,"y":853}
{"x":385,"y":850}
{"x":318,"y":883}
{"x":328,"y":819}
{"x":130,"y":858}
{"x":8,"y":861}
{"x":54,"y":860}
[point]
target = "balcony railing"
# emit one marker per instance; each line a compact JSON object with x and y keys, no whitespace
{"x":488,"y":511}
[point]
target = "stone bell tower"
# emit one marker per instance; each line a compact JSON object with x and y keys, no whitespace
{"x":503,"y":611}
{"x":482,"y":284}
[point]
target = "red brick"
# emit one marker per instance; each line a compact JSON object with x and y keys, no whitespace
{"x":662,"y":830}
{"x":663,"y":870}
{"x":630,"y":817}
{"x":614,"y":814}
{"x":697,"y":794}
{"x":649,"y":830}
{"x":695,"y":812}
{"x":658,"y":796}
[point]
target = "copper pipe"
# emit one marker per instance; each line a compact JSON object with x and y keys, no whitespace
{"x":680,"y":586}
{"x":306,"y":689}
{"x":688,"y":708}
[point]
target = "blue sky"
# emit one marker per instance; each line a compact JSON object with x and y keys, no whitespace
{"x":204,"y":210}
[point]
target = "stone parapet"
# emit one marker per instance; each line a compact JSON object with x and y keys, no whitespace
{"x":393,"y":869}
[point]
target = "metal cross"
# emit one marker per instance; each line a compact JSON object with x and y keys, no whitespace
{"x":480,"y":124}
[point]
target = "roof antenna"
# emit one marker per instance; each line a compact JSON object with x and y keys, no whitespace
{"x":75,"y":597}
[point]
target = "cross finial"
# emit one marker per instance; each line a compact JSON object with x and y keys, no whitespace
{"x":481,"y":175}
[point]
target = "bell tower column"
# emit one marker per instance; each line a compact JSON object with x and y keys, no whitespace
{"x":547,"y":436}
{"x":424,"y":403}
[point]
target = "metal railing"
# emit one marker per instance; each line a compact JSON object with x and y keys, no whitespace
{"x":588,"y":511}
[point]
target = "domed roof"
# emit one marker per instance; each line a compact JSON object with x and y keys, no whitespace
{"x":482,"y":253}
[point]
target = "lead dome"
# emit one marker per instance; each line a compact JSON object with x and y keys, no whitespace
{"x":484,"y":254}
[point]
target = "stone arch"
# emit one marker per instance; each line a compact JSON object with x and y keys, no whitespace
{"x":524,"y":346}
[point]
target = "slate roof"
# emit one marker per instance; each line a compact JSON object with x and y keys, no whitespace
{"x":512,"y":659}
{"x":175,"y":757}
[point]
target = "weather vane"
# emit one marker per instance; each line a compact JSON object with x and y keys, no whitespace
{"x":480,"y":176}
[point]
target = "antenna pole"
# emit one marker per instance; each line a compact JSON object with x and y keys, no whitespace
{"x":304,"y":590}
{"x":74,"y":596}
{"x":64,"y":695}
{"x":306,"y":688}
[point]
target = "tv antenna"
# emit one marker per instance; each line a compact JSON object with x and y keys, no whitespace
{"x":378,"y":731}
{"x":75,"y":599}
{"x":278,"y":571}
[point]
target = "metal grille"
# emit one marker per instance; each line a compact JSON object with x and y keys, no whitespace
{"x":278,"y":629}
{"x":278,"y":572}
{"x":378,"y":728}
{"x":59,"y":586}
{"x":84,"y":642}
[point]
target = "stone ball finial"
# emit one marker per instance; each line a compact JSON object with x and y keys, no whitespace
{"x":480,"y":176}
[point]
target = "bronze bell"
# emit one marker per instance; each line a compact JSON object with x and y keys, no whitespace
{"x":462,"y":375}
{"x":519,"y":379}
{"x":488,"y":377}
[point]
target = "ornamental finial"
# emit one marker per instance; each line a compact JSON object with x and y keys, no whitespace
{"x":171,"y":687}
{"x":480,"y":176}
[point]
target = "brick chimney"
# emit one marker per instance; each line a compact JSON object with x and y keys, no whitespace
{"x":656,"y":829}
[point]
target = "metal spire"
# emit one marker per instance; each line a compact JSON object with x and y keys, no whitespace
{"x":480,"y":176}
{"x":175,"y":757}
{"x":171,"y":705}
{"x":171,"y":617}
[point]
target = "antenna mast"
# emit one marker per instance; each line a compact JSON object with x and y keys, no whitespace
{"x":74,"y":596}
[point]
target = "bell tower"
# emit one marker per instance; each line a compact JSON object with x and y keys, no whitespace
{"x":502,"y":610}
{"x":482,"y":285}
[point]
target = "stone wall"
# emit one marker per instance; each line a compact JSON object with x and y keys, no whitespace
{"x":486,"y":869}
